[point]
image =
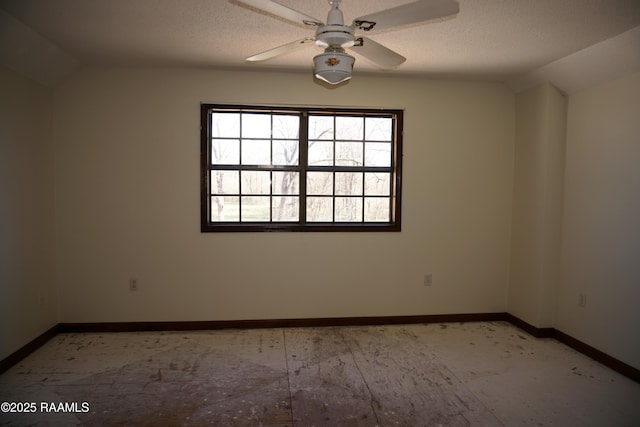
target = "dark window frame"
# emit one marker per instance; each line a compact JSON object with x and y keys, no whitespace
{"x":394,"y":225}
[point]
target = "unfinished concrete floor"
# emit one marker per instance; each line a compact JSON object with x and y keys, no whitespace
{"x":472,"y":374}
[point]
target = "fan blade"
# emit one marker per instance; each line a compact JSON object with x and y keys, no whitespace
{"x":412,"y":13}
{"x":281,"y":11}
{"x":281,"y":50}
{"x":375,"y":52}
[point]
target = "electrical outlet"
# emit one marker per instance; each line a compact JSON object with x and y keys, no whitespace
{"x":428,"y":279}
{"x":582,"y":300}
{"x":133,"y":284}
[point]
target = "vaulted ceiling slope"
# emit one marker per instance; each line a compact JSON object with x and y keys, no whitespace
{"x":572,"y":43}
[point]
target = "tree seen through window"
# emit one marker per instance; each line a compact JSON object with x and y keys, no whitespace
{"x":294,"y":169}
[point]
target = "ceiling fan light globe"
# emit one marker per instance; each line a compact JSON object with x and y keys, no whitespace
{"x":333,"y":67}
{"x":333,"y":78}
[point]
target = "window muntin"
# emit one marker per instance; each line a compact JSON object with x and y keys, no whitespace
{"x":300,"y":169}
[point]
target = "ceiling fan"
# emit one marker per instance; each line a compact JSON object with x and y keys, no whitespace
{"x":335,"y":65}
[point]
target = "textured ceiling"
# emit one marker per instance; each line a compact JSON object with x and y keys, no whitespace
{"x":497,"y":40}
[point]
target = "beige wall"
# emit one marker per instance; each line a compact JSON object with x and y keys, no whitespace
{"x":126,"y":147}
{"x":537,"y":204}
{"x":127,"y":180}
{"x":28,"y":300}
{"x":601,"y":229}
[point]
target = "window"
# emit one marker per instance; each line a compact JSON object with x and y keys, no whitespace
{"x":300,"y":169}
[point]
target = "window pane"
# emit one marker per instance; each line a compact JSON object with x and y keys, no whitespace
{"x":255,"y":208}
{"x":285,"y":208}
{"x":349,"y":153}
{"x":377,"y":184}
{"x":348,"y":183}
{"x":285,"y":153}
{"x":319,"y":183}
{"x":286,"y":182}
{"x":377,"y":154}
{"x":348,"y":209}
{"x":320,"y":153}
{"x":378,"y":128}
{"x":225,"y":152}
{"x":376,"y":209}
{"x":256,"y":125}
{"x":350,"y":128}
{"x":286,"y":126}
{"x":225,"y":125}
{"x":320,"y":127}
{"x":225,"y":209}
{"x":319,"y":209}
{"x":256,"y":152}
{"x":225,"y":182}
{"x":255,"y":165}
{"x":255,"y":182}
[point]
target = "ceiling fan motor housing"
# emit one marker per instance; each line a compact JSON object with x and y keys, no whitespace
{"x":335,"y":36}
{"x":335,"y":33}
